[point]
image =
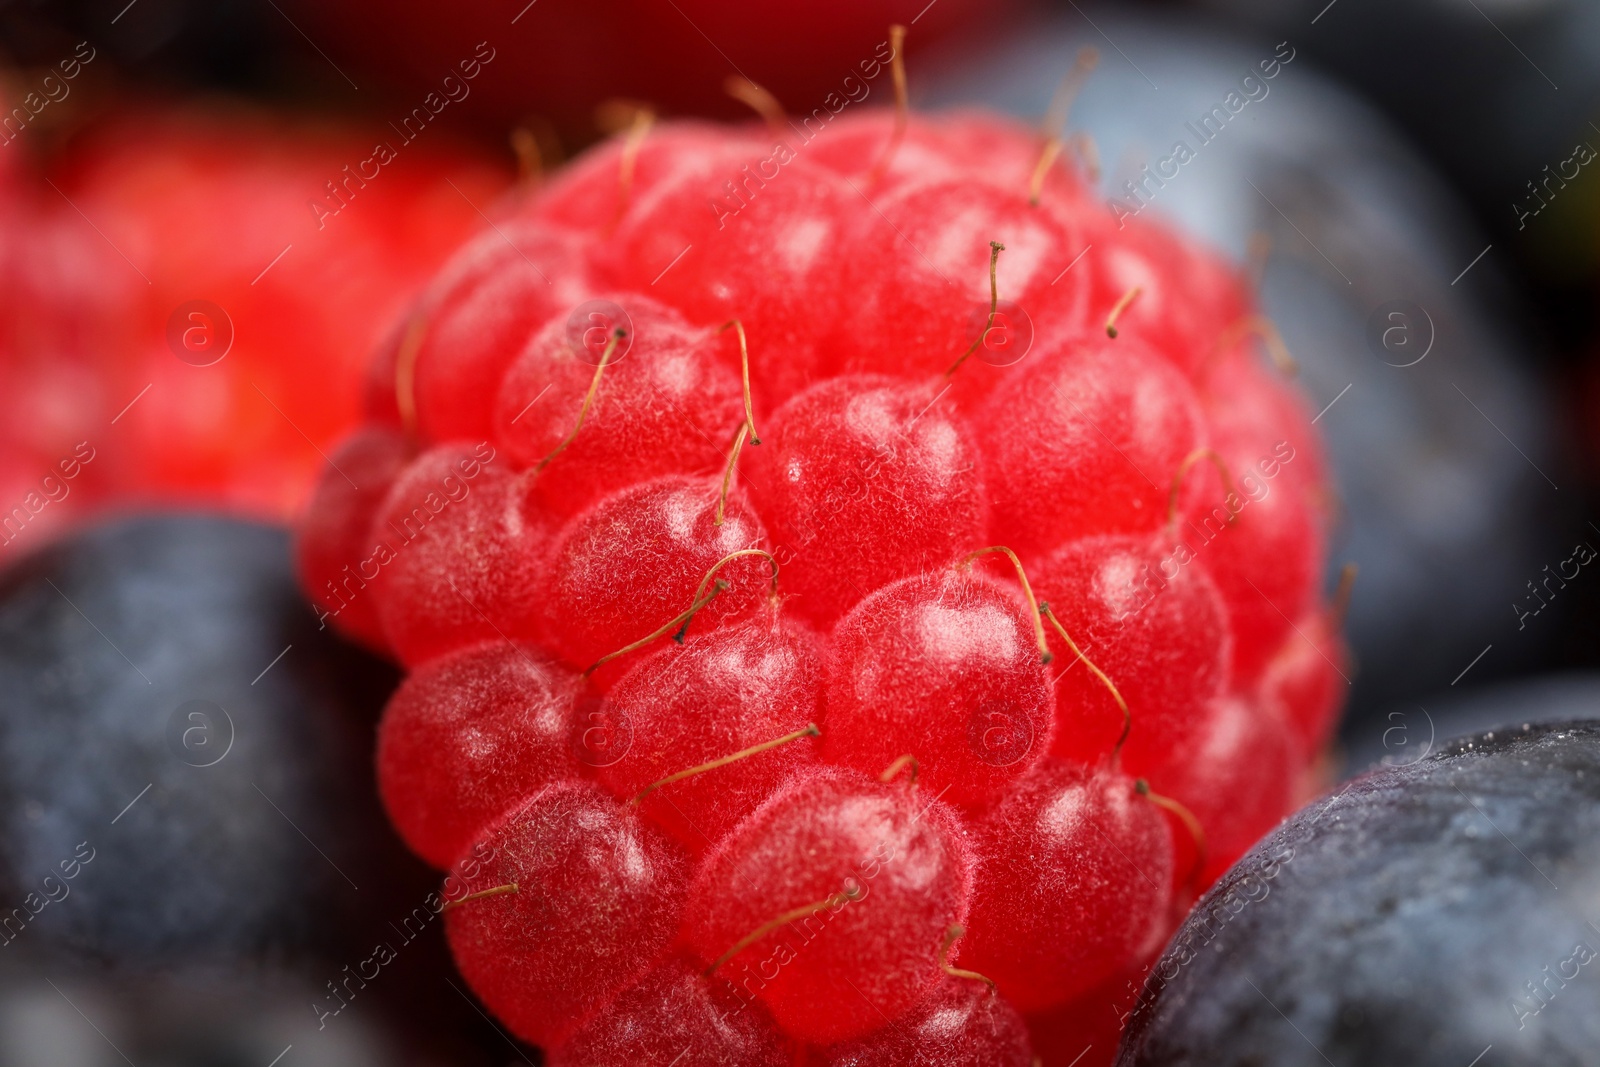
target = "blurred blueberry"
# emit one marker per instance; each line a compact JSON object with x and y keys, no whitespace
{"x":1494,"y":90}
{"x":1423,"y":915}
{"x":191,"y":847}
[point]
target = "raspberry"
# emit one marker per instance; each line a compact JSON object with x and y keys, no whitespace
{"x":1164,"y":641}
{"x":1267,"y":444}
{"x":636,"y":558}
{"x":910,"y":681}
{"x":1263,"y":602}
{"x":960,"y":1023}
{"x":1237,"y":779}
{"x":597,"y":892}
{"x":591,"y":195}
{"x":842,"y":451}
{"x":728,"y":258}
{"x":1086,"y":1028}
{"x":487,"y":299}
{"x":333,"y":554}
{"x":881,"y":872}
{"x":677,"y":1015}
{"x":1187,"y":300}
{"x":1302,"y":681}
{"x":457,"y":545}
{"x":210,"y":204}
{"x":1069,"y":850}
{"x":915,"y":295}
{"x":662,"y":408}
{"x":1085,"y":440}
{"x":943,"y":665}
{"x":465,"y":733}
{"x":748,"y":683}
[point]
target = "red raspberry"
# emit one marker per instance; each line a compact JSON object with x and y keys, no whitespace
{"x":1238,"y":777}
{"x":458,"y":546}
{"x":664,"y":407}
{"x":1266,"y":442}
{"x":479,"y":311}
{"x":155,"y":208}
{"x":881,"y":871}
{"x":676,"y":1015}
{"x":943,"y":665}
{"x":729,"y":255}
{"x":1164,"y":641}
{"x":620,"y":569}
{"x":589,"y":195}
{"x":1304,"y":681}
{"x":1077,"y":437}
{"x":746,"y":684}
{"x":853,"y":447}
{"x":1188,"y":300}
{"x":465,"y":734}
{"x":1068,"y":849}
{"x":960,"y":1023}
{"x":598,"y":892}
{"x":913,"y":298}
{"x":952,"y":771}
{"x":335,"y":558}
{"x":1083,"y":1032}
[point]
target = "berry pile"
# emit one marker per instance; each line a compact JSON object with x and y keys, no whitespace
{"x":855,"y":593}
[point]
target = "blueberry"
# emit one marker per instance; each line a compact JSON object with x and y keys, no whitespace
{"x":148,"y":721}
{"x":1419,"y":916}
{"x":191,"y":848}
{"x":1411,"y":55}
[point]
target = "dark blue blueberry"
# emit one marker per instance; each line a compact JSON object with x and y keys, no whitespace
{"x":1427,"y":915}
{"x":169,"y":707}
